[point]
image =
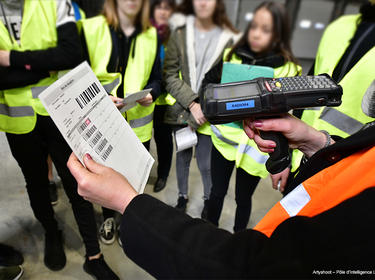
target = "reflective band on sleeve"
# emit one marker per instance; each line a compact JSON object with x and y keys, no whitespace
{"x":340,"y":120}
{"x":35,"y":91}
{"x":313,"y":108}
{"x":109,"y":87}
{"x":295,"y":200}
{"x":141,"y":121}
{"x":221,"y":137}
{"x":253,"y":153}
{"x":19,"y":111}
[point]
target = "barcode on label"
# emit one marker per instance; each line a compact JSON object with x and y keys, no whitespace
{"x":89,"y":132}
{"x":84,"y":125}
{"x":101,"y":146}
{"x":96,"y":139}
{"x":87,"y":95}
{"x":107,"y":152}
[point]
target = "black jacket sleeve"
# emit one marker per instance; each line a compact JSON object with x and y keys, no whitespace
{"x":170,"y":244}
{"x":66,"y":55}
{"x":14,"y":78}
{"x":155,"y":79}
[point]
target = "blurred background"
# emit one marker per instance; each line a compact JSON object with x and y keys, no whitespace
{"x":308,"y":19}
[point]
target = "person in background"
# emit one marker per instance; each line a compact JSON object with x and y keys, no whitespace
{"x":121,"y":45}
{"x":264,"y":43}
{"x":38,"y":39}
{"x":78,"y":14}
{"x":160,"y":12}
{"x":202,"y":33}
{"x":347,"y":53}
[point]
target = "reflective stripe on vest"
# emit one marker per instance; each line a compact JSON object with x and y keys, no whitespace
{"x":35,"y":91}
{"x":38,"y":32}
{"x":340,"y":120}
{"x":14,"y":111}
{"x":253,"y":153}
{"x":109,"y":87}
{"x":141,"y":121}
{"x":218,"y":134}
{"x":324,"y":190}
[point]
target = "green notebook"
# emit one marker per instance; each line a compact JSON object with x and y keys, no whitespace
{"x":233,"y":72}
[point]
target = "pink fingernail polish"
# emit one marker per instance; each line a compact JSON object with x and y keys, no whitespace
{"x":88,"y":156}
{"x":258,"y":123}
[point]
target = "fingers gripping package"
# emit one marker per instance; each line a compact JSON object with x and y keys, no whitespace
{"x":262,"y":97}
{"x":269,"y":97}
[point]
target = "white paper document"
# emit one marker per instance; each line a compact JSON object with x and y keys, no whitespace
{"x":91,"y":123}
{"x":185,"y":138}
{"x":131,"y":100}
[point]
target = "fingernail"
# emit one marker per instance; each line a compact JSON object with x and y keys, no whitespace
{"x":272,"y":145}
{"x":258,"y":123}
{"x":88,"y":157}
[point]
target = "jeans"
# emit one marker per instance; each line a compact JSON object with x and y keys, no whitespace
{"x":183,"y":159}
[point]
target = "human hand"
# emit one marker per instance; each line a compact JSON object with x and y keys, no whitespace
{"x":146,"y":101}
{"x":196,"y":111}
{"x":279,"y":180}
{"x":117,"y":101}
{"x":300,"y":135}
{"x":4,"y":58}
{"x":100,"y":184}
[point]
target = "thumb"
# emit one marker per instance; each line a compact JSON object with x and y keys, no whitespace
{"x":92,"y":165}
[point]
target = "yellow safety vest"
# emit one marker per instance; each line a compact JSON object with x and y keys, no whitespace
{"x":231,"y":140}
{"x":348,"y":118}
{"x":19,"y":106}
{"x":137,"y":73}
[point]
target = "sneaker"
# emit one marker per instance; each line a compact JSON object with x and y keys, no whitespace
{"x":204,"y":213}
{"x":9,"y":256}
{"x":119,"y":237}
{"x":54,"y":255}
{"x":181,"y":203}
{"x":11,"y":272}
{"x":160,"y":184}
{"x":107,"y":231}
{"x":99,"y":269}
{"x":52,"y":188}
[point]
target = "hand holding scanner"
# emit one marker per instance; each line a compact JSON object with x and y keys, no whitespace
{"x":269,"y":97}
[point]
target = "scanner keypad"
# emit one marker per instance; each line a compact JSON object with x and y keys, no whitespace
{"x":299,"y":83}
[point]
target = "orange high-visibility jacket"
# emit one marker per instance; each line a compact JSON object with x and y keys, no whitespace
{"x":324,"y":190}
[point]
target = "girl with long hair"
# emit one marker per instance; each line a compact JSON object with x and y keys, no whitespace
{"x":202,"y":32}
{"x":265,"y":42}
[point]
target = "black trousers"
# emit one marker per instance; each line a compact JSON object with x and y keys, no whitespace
{"x":30,"y":151}
{"x":164,"y":142}
{"x":221,"y":171}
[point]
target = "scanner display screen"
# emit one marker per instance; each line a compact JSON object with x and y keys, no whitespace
{"x":236,"y":91}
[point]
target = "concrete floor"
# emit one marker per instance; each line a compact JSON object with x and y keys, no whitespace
{"x":19,"y":228}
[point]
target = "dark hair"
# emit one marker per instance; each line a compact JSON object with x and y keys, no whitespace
{"x":220,"y":16}
{"x":367,"y":11}
{"x":281,"y":34}
{"x":154,"y":3}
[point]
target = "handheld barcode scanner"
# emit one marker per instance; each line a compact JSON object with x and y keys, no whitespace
{"x":269,"y":97}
